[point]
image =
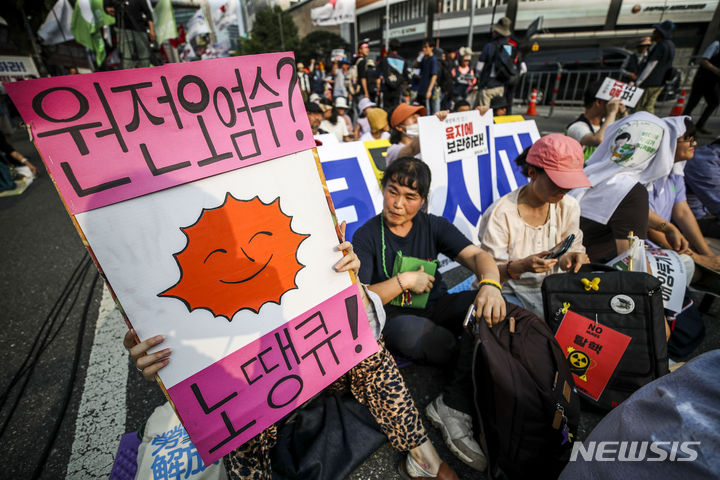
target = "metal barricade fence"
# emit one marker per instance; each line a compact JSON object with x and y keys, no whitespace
{"x":565,"y":87}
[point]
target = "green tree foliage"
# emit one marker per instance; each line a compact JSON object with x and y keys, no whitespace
{"x":318,"y":44}
{"x":268,"y":36}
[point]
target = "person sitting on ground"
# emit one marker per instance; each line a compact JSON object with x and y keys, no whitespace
{"x":702,"y":177}
{"x":315,"y":117}
{"x":332,"y":121}
{"x":363,"y":126}
{"x":394,"y":410}
{"x":461,"y":106}
{"x":341,"y":105}
{"x":379,"y":128}
{"x":499,"y":106}
{"x":589,"y":128}
{"x":427,"y":334}
{"x":667,"y":199}
{"x":424,"y":334}
{"x":405,"y":132}
{"x":14,"y":158}
{"x":520,"y":228}
{"x":617,"y":203}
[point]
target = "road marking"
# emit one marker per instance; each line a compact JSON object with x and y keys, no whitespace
{"x":102,"y":413}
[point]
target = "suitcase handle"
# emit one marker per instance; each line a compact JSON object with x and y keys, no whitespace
{"x":596,"y":267}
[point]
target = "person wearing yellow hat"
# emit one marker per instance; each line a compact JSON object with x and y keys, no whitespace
{"x":379,"y":127}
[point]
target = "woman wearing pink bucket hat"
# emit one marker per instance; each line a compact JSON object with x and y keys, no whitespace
{"x":520,"y":229}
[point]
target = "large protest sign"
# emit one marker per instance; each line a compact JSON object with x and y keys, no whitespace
{"x":230,"y":260}
{"x":350,"y":173}
{"x":153,"y":128}
{"x":463,"y":189}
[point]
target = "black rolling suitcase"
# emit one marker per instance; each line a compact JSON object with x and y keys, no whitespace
{"x":629,"y":302}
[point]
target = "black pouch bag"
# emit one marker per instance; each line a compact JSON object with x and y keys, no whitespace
{"x":629,"y":302}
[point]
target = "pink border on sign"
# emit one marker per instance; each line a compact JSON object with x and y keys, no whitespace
{"x":236,"y":398}
{"x":111,"y":136}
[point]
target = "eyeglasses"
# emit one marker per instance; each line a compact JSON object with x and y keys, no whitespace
{"x":690,"y":140}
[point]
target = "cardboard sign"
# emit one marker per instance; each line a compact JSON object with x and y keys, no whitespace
{"x":464,"y":136}
{"x":229,"y":257}
{"x":593,"y":351}
{"x":667,"y":267}
{"x":628,"y":94}
{"x":112,"y":136}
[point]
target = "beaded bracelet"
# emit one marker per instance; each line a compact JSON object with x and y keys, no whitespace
{"x":406,"y":296}
{"x":490,"y":282}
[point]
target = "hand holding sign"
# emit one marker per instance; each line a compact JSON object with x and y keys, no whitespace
{"x":629,"y":95}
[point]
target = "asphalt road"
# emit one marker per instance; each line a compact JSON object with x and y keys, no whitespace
{"x":63,"y":417}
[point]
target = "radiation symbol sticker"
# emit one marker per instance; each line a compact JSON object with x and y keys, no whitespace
{"x":579,"y":362}
{"x":238,"y":256}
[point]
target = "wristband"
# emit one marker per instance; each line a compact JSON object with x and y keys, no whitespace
{"x":490,"y":282}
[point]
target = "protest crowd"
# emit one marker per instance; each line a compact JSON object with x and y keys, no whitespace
{"x":599,"y":193}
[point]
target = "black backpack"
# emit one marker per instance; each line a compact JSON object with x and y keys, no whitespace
{"x":525,"y":397}
{"x":506,"y":64}
{"x":646,"y":357}
{"x":392,"y":78}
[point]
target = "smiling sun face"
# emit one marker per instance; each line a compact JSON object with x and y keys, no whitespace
{"x":238,"y":256}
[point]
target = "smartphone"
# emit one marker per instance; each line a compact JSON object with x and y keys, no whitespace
{"x":559,"y":250}
{"x":469,"y":317}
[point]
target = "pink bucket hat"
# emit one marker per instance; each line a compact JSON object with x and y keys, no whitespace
{"x":562,"y":159}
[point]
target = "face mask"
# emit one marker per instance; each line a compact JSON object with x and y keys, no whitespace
{"x":412,"y":131}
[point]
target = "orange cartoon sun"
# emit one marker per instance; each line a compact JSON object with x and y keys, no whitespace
{"x":238,"y":256}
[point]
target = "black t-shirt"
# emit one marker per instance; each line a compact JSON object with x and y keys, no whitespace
{"x":428,"y":236}
{"x":664,"y":53}
{"x":131,"y":14}
{"x":631,"y":215}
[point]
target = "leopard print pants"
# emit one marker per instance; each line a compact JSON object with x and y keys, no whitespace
{"x":376,"y":383}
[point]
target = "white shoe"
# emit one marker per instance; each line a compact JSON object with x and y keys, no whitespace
{"x":456,"y":429}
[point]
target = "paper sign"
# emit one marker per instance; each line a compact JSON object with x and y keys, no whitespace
{"x":593,"y":352}
{"x":112,"y":136}
{"x":238,"y":397}
{"x":464,"y":136}
{"x":628,"y":94}
{"x":667,"y":267}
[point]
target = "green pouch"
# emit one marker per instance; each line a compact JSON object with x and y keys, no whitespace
{"x":408,"y":264}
